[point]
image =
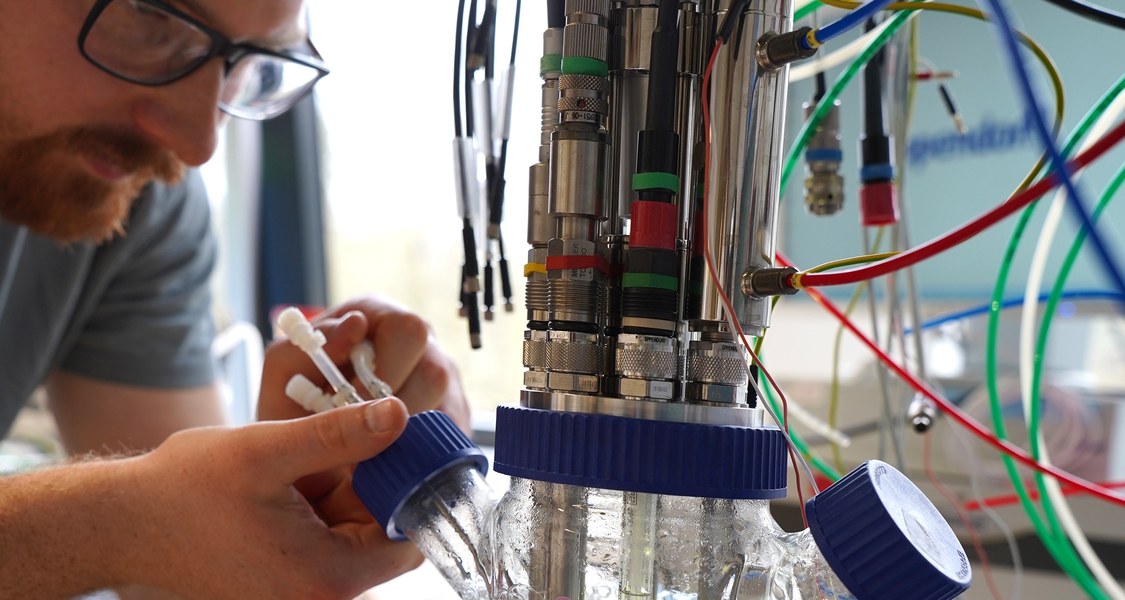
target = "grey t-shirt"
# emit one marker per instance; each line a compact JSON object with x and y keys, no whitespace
{"x":135,"y":310}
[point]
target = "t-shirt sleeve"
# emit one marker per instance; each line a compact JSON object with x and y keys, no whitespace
{"x":150,"y":324}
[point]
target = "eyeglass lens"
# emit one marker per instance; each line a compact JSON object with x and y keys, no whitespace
{"x":144,"y":43}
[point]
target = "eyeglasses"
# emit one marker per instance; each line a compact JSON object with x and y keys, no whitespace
{"x":151,"y":43}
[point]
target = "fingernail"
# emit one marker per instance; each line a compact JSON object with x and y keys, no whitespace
{"x":379,"y":415}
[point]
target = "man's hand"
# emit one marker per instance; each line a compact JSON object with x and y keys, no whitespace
{"x":211,"y":513}
{"x":261,"y":506}
{"x":406,"y":357}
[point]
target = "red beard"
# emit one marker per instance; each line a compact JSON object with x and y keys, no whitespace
{"x":44,"y":187}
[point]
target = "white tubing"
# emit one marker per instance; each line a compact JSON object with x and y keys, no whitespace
{"x":819,"y":427}
{"x":363,"y":361}
{"x":837,"y":58}
{"x":1027,"y":359}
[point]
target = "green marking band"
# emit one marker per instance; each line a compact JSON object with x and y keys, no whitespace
{"x":656,"y":180}
{"x":582,"y":65}
{"x":550,"y":63}
{"x":650,"y":280}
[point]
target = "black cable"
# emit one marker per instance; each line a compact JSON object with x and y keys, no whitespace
{"x":486,"y":39}
{"x":471,"y":271}
{"x":470,"y":41}
{"x":505,"y":279}
{"x":734,"y":14}
{"x":873,"y":110}
{"x":1093,"y":12}
{"x":661,"y":110}
{"x":474,"y":320}
{"x":489,"y":292}
{"x":556,"y":14}
{"x":515,"y":32}
{"x":821,"y":86}
{"x":457,"y":127}
{"x":496,"y":190}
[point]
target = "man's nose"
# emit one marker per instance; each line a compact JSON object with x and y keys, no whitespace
{"x":184,"y":117}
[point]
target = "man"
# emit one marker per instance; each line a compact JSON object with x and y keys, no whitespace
{"x":105,"y":251}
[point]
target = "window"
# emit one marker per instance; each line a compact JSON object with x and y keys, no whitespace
{"x":393,"y":229}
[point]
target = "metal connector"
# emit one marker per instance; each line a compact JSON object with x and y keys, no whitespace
{"x":768,"y":282}
{"x":777,"y":50}
{"x":824,"y":186}
{"x":922,"y":413}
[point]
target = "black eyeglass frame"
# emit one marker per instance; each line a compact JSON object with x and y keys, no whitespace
{"x":221,"y":46}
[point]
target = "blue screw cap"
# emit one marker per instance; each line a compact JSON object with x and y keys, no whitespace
{"x":885,"y":539}
{"x":640,"y":455}
{"x":430,"y":444}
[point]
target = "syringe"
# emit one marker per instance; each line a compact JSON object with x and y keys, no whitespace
{"x":301,"y":334}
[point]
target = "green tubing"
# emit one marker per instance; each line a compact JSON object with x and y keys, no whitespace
{"x":820,"y":465}
{"x":1057,"y":545}
{"x":1060,"y":550}
{"x":1055,"y":542}
{"x":806,"y":10}
{"x":1045,"y":326}
{"x":1033,"y":420}
{"x":802,"y":140}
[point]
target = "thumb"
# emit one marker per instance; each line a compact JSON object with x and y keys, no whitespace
{"x":335,"y":438}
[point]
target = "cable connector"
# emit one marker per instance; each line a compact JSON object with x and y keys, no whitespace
{"x":878,"y":204}
{"x":768,"y":281}
{"x":775,"y":50}
{"x":824,"y":186}
{"x":951,"y":108}
{"x":922,"y":413}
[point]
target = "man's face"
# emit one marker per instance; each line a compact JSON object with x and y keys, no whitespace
{"x":77,"y":144}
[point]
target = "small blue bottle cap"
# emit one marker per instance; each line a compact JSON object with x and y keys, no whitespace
{"x":885,"y":539}
{"x":430,"y":444}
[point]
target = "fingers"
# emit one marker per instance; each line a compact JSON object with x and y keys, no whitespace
{"x":435,"y":385}
{"x":294,"y":449}
{"x":400,"y":344}
{"x":380,"y":559}
{"x":406,"y":357}
{"x":284,"y":360}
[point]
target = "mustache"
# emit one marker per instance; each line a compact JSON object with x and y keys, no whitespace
{"x":127,"y":150}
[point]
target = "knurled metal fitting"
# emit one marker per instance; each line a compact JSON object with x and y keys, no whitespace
{"x":645,"y":356}
{"x":824,"y":192}
{"x":775,"y":50}
{"x":578,"y":81}
{"x":535,"y":349}
{"x":768,"y":281}
{"x":824,"y":186}
{"x":716,"y":362}
{"x":573,"y":352}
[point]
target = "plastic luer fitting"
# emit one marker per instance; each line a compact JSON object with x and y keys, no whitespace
{"x":885,"y":539}
{"x":430,"y":445}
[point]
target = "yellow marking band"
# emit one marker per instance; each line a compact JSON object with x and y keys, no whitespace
{"x":810,"y":37}
{"x":795,"y":280}
{"x":530,"y":268}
